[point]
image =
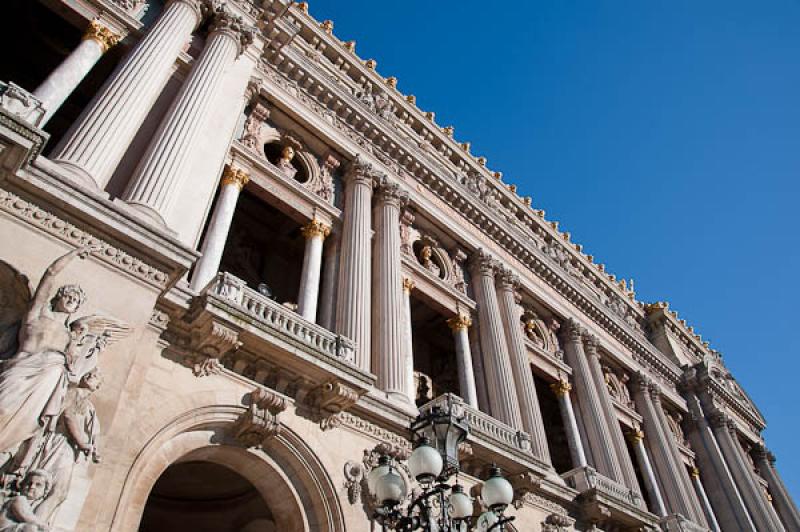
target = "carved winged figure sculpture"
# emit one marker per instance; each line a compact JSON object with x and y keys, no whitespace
{"x":54,"y":352}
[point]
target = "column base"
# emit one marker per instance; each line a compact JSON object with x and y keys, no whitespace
{"x":146,"y":215}
{"x":77,"y":174}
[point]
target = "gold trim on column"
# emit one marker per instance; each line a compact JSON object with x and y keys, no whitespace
{"x":408,"y":285}
{"x":695,"y":472}
{"x":315,"y":228}
{"x":636,"y":436}
{"x":104,"y":36}
{"x":234,"y":176}
{"x":561,"y":387}
{"x":459,"y":322}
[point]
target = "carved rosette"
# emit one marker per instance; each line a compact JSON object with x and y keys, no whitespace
{"x":260,"y":422}
{"x":97,"y":32}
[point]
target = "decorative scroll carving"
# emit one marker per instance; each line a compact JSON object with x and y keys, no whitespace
{"x":331,"y":399}
{"x":457,"y":277}
{"x":353,"y":476}
{"x":260,"y":422}
{"x":674,"y":420}
{"x":617,"y":384}
{"x":252,"y":137}
{"x":557,"y":523}
{"x":210,"y":342}
{"x":408,"y":234}
{"x":544,"y":334}
{"x":48,"y":422}
{"x":322,"y":185}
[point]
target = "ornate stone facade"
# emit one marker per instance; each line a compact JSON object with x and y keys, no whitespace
{"x":251,"y":252}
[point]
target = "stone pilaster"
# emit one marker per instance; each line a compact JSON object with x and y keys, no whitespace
{"x":315,"y":233}
{"x":232,"y":183}
{"x":502,"y":396}
{"x":636,"y":438}
{"x":389,"y":336}
{"x":164,"y":167}
{"x":408,"y":286}
{"x":354,"y":301}
{"x":67,"y":76}
{"x":674,"y":480}
{"x":784,"y":504}
{"x":598,"y":433}
{"x":562,"y":388}
{"x":460,"y":325}
{"x":711,"y":518}
{"x":523,"y":377}
{"x":731,"y":511}
{"x":759,"y":508}
{"x":97,"y":141}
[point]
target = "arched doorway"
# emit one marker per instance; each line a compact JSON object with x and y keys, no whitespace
{"x":199,"y":496}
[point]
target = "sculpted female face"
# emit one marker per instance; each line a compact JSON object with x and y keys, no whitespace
{"x":288,"y":153}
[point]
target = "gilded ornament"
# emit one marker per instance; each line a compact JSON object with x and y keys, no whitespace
{"x":327,"y":26}
{"x":234,"y":176}
{"x":391,"y":81}
{"x":315,"y":228}
{"x":350,"y":46}
{"x":102,"y":35}
{"x":303,"y":6}
{"x":695,"y":472}
{"x":636,"y":436}
{"x":371,"y":64}
{"x":459,"y":322}
{"x":411,"y":99}
{"x":561,"y":387}
{"x":408,"y":284}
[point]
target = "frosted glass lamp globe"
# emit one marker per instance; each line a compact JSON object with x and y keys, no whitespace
{"x":425,"y":463}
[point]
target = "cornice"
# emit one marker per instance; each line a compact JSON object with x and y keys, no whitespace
{"x":330,"y":102}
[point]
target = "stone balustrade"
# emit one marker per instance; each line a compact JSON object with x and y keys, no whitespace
{"x":281,"y":320}
{"x":585,"y":479}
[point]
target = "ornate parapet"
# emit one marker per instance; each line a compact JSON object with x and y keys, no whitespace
{"x":605,"y":500}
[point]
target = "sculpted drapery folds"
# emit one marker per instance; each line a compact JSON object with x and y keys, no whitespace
{"x":44,"y":384}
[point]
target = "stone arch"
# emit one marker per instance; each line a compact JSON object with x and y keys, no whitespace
{"x":307,"y":499}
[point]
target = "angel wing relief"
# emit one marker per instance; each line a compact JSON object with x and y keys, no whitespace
{"x":48,"y":374}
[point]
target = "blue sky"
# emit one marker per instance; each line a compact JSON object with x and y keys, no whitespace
{"x":665,"y":136}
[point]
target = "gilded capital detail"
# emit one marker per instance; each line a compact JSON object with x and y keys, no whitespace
{"x":101,"y":34}
{"x":234,"y":176}
{"x":315,"y":228}
{"x":459,"y":322}
{"x":561,"y":387}
{"x":636,"y":436}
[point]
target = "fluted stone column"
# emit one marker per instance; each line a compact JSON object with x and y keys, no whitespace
{"x":502,"y":395}
{"x":153,"y":187}
{"x":523,"y":377}
{"x":353,"y":305}
{"x":408,"y":286}
{"x":232,"y":183}
{"x":598,"y":433}
{"x":460,"y":325}
{"x":96,"y":142}
{"x":389,"y":333}
{"x":784,"y":504}
{"x":617,"y":440}
{"x":711,"y":518}
{"x":636,"y":438}
{"x":315,"y":233}
{"x":731,"y":511}
{"x":67,"y":76}
{"x":562,"y":388}
{"x":761,"y":511}
{"x":677,"y":489}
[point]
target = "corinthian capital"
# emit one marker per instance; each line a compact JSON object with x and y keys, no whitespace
{"x":362,"y":172}
{"x":227,"y":23}
{"x":102,"y":35}
{"x":483,"y":263}
{"x":508,"y":281}
{"x":591,"y":343}
{"x":718,"y":420}
{"x":641,"y":382}
{"x":572,"y":331}
{"x":388,"y":191}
